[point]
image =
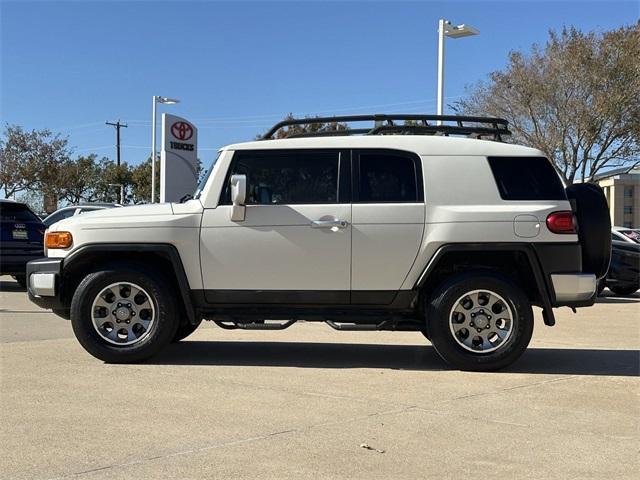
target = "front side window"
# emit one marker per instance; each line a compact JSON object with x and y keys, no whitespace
{"x":388,"y":177}
{"x":287,"y":177}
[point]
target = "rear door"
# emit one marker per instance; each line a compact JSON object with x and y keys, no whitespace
{"x":388,"y":222}
{"x":294,"y":245}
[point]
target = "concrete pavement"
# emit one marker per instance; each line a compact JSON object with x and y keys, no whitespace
{"x":300,"y":403}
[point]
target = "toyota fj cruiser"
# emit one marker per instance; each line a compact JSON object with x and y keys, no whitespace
{"x":400,"y":225}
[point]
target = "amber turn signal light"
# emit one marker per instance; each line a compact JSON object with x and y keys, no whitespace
{"x":58,"y":240}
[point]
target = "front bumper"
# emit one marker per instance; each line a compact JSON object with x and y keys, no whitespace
{"x":574,"y":289}
{"x":44,"y":283}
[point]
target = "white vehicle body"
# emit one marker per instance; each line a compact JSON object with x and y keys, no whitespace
{"x":237,"y":260}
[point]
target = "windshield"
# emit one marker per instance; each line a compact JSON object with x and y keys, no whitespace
{"x":204,"y":176}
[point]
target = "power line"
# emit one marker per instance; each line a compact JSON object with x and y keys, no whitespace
{"x":117,"y":126}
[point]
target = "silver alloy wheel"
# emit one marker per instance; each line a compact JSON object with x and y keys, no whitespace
{"x":481,"y":321}
{"x":123,"y":313}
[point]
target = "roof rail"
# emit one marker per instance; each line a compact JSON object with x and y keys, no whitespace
{"x":385,"y":124}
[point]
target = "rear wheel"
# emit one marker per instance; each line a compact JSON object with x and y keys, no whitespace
{"x":123,"y":316}
{"x":623,"y":290}
{"x":479,"y":321}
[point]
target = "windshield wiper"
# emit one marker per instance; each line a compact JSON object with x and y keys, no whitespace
{"x":187,"y":197}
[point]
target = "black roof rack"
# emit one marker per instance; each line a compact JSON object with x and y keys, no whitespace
{"x":385,"y":124}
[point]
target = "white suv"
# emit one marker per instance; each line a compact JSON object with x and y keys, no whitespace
{"x":396,"y":226}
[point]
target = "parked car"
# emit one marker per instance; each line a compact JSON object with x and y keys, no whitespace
{"x":623,"y":277}
{"x":21,"y":239}
{"x":623,"y":234}
{"x":71,"y":210}
{"x":387,"y":227}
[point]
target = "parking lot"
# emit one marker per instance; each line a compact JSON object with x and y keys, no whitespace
{"x":310,"y":402}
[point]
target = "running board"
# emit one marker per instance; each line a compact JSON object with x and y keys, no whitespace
{"x":392,"y":324}
{"x":263,"y":325}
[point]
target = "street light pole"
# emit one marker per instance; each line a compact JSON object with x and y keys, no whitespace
{"x":168,"y":101}
{"x":153,"y":151}
{"x":446,"y":29}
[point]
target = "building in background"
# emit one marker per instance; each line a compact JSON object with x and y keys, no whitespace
{"x":622,"y":189}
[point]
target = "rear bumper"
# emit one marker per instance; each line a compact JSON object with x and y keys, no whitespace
{"x":574,"y":289}
{"x":568,"y":285}
{"x":44,"y":283}
{"x":15,"y":263}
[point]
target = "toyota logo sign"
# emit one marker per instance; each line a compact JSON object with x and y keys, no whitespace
{"x":182,"y":130}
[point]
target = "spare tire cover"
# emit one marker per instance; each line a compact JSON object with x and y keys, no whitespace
{"x":594,"y":227}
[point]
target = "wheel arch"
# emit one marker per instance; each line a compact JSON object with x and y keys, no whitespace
{"x":158,"y":256}
{"x":518,"y":262}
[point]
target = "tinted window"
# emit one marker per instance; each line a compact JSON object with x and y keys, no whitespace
{"x":387,"y":177}
{"x":287,"y":177}
{"x":59,"y":215}
{"x":526,"y":178}
{"x":16,"y":212}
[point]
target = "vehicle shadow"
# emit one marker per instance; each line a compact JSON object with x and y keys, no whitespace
{"x":395,"y":357}
{"x":11,"y":286}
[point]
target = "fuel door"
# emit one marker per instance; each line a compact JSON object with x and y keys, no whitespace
{"x":526,"y":226}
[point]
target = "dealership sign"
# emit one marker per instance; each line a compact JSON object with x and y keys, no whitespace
{"x":178,"y":158}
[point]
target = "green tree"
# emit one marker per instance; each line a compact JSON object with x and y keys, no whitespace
{"x":307,"y":128}
{"x":577,"y":99}
{"x":141,"y":182}
{"x":31,"y":161}
{"x":80,"y":178}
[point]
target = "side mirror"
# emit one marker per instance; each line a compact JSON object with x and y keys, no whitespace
{"x":238,"y":196}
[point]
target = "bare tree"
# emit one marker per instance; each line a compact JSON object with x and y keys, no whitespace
{"x":577,"y":99}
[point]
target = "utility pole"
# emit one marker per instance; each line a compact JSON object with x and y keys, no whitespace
{"x":117,"y":126}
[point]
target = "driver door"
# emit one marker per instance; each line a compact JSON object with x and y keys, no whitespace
{"x":294,"y":244}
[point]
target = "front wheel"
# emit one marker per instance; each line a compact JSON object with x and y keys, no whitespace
{"x":479,"y":321}
{"x":123,"y":315}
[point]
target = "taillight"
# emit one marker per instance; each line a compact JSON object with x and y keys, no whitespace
{"x":561,"y":222}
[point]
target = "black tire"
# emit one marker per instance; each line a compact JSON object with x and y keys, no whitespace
{"x":160,"y":333}
{"x":22,"y":280}
{"x":594,"y":227}
{"x":601,"y":285}
{"x":623,"y":290}
{"x":184,"y":330}
{"x":441,"y":303}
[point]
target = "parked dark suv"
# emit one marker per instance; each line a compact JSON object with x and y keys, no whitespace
{"x":21,"y":239}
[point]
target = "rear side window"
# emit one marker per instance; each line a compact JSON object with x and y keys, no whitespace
{"x":388,"y":177}
{"x":287,"y":177}
{"x":526,"y":178}
{"x":16,"y":212}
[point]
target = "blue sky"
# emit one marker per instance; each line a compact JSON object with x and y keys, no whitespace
{"x":238,"y":67}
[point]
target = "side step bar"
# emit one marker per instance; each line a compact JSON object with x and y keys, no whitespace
{"x":229,"y":325}
{"x":391,"y":324}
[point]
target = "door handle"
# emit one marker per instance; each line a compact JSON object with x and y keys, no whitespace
{"x":335,"y":223}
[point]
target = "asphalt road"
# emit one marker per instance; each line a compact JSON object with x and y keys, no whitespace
{"x":301,"y":403}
